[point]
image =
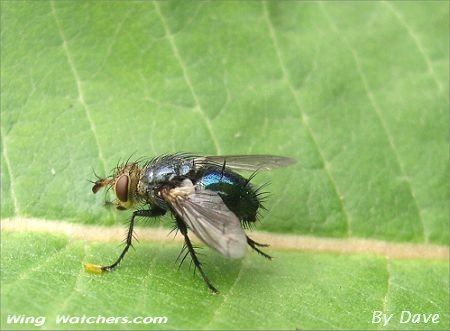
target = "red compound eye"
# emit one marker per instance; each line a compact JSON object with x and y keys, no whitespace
{"x":121,"y":188}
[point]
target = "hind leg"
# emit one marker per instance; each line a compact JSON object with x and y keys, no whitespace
{"x":253,"y":244}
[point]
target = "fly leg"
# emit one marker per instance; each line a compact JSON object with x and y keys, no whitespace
{"x":183,"y":229}
{"x":253,"y":244}
{"x":128,"y":242}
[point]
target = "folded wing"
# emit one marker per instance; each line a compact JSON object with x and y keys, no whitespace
{"x":249,"y":162}
{"x":205,"y":214}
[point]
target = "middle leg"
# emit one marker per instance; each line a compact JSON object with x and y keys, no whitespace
{"x":183,"y":229}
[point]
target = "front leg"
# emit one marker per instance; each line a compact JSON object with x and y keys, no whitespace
{"x":155,"y":212}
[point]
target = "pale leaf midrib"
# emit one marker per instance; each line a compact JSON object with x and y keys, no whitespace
{"x":277,"y":241}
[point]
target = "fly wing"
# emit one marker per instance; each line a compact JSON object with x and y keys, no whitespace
{"x":249,"y":162}
{"x":205,"y":214}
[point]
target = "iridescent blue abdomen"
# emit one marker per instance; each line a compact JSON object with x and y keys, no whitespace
{"x":236,"y":191}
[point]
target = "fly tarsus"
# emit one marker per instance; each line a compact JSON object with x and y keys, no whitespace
{"x":253,"y":244}
{"x":128,"y":240}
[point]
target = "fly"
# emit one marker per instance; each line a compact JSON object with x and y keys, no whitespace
{"x":205,"y":194}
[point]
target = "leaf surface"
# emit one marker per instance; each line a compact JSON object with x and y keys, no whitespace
{"x":356,"y":92}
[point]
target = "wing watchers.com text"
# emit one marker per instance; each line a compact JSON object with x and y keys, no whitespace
{"x":84,"y":319}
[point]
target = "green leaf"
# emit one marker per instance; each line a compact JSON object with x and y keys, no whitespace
{"x":356,"y":92}
{"x":295,"y":291}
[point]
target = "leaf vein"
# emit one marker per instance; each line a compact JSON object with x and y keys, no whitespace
{"x":198,"y":108}
{"x":304,"y":119}
{"x":381,"y":119}
{"x":417,"y":43}
{"x":73,"y":293}
{"x":11,"y":177}
{"x":111,"y":44}
{"x":33,"y":268}
{"x":78,"y":84}
{"x":225,"y":297}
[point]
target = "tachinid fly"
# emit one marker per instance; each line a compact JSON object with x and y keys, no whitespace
{"x":205,"y":195}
